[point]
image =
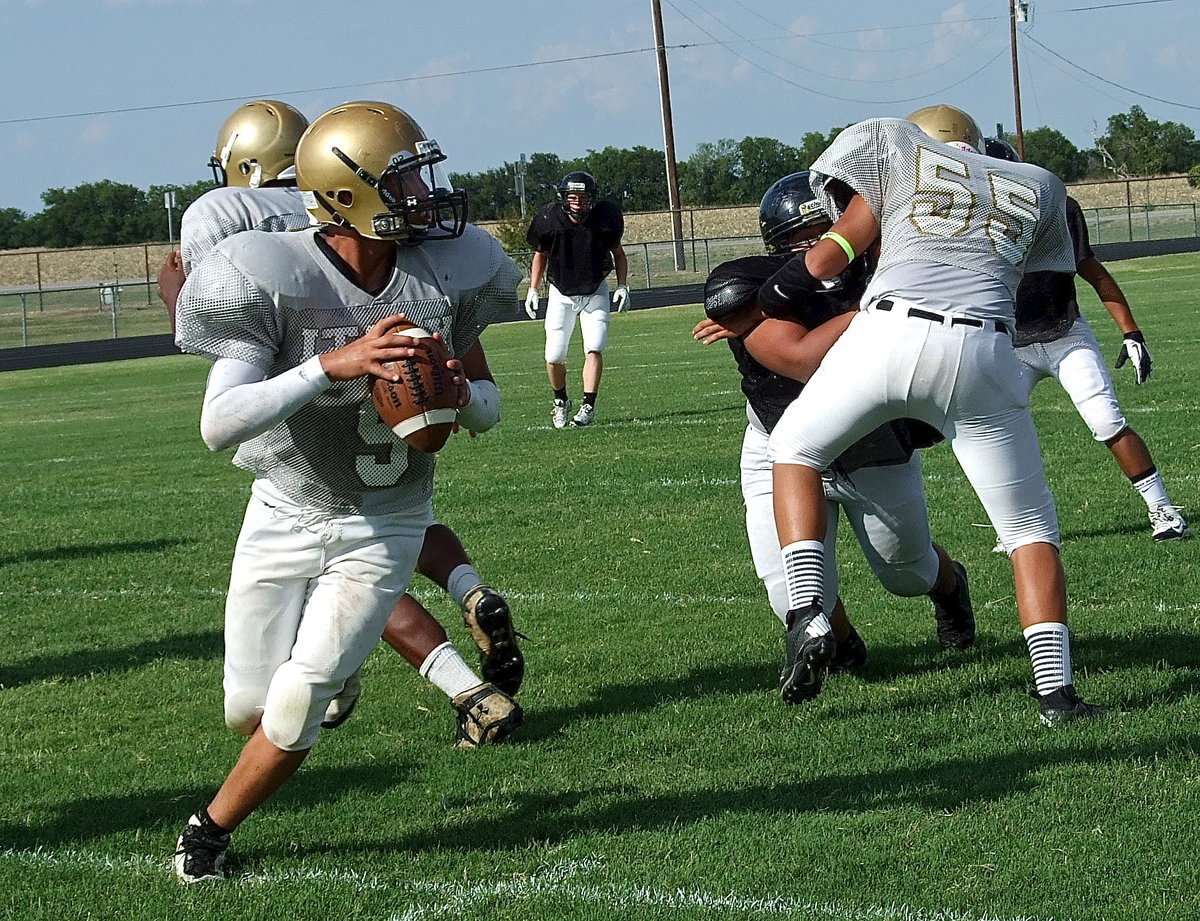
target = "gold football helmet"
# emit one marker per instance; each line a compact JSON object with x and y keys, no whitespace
{"x":948,"y":125}
{"x":257,"y":143}
{"x":369,"y":166}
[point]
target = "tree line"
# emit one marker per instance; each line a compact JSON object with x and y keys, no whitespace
{"x":724,"y":172}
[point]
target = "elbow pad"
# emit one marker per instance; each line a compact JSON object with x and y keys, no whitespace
{"x":790,"y":282}
{"x":484,"y":409}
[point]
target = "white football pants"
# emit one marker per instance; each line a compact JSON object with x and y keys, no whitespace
{"x":884,"y":505}
{"x":964,"y":381}
{"x":593,"y":311}
{"x":309,"y":596}
{"x":1076,"y":362}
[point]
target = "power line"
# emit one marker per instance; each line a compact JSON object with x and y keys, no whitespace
{"x":1170,"y":102}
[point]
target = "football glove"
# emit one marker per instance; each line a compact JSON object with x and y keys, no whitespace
{"x":1134,"y":348}
{"x":531,"y":303}
{"x":620,"y":298}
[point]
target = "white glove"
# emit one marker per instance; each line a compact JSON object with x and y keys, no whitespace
{"x":621,"y":298}
{"x":1134,"y":347}
{"x":531,"y":303}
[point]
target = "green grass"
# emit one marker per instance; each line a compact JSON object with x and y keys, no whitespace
{"x":658,"y":775}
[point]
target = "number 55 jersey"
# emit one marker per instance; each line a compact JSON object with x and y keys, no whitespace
{"x":958,"y":230}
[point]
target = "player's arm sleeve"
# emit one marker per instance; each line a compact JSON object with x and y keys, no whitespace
{"x":241,"y":402}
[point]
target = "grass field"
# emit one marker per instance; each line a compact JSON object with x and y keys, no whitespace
{"x":658,"y":775}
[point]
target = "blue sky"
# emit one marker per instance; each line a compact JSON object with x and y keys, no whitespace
{"x":135,"y":90}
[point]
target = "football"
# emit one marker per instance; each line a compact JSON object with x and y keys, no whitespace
{"x":421,"y":407}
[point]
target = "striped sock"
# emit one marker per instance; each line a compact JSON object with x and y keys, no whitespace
{"x":1050,"y":652}
{"x":804,"y":571}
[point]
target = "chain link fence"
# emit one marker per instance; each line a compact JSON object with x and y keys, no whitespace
{"x":86,"y":294}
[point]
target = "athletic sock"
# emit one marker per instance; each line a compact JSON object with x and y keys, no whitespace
{"x":462,"y":579}
{"x":804,"y":572}
{"x":209,"y":826}
{"x":561,"y":394}
{"x":1150,"y":486}
{"x":1050,"y":652}
{"x":445,"y":668}
{"x":589,"y":399}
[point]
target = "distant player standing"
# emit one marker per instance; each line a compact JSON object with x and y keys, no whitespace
{"x":296,"y":324}
{"x":876,"y":482}
{"x":1055,"y":340}
{"x":577,"y":243}
{"x":933,"y":342}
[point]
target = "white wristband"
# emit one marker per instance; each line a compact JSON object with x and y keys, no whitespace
{"x":483,"y":410}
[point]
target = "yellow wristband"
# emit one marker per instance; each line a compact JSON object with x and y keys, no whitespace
{"x":840,"y":241}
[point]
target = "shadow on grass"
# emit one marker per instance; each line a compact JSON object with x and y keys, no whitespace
{"x":91,"y":818}
{"x":91,"y":551}
{"x":90,"y":663}
{"x":941,"y":787}
{"x":1174,"y":651}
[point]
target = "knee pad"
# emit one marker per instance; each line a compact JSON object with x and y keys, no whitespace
{"x":295,"y":707}
{"x":910,"y":579}
{"x":242,"y":715}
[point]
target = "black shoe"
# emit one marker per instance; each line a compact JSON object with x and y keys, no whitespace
{"x":486,"y":613}
{"x":200,"y":855}
{"x":806,"y":658}
{"x":955,"y":616}
{"x":851,"y":655}
{"x":1065,"y":706}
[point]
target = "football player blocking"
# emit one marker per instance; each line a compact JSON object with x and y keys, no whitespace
{"x":876,"y":482}
{"x":933,"y":341}
{"x":576,"y":243}
{"x":339,"y":507}
{"x":254,"y":165}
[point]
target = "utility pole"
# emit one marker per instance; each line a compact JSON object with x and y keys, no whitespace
{"x":664,"y":92}
{"x":169,"y":204}
{"x":1018,"y":11}
{"x":519,"y":186}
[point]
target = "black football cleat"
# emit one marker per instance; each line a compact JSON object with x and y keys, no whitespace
{"x":806,"y":658}
{"x":954,"y":613}
{"x":1065,"y":706}
{"x":851,"y":655}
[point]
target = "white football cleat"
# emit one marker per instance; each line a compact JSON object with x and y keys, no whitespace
{"x":1168,"y":524}
{"x":562,"y":413}
{"x":585,"y":416}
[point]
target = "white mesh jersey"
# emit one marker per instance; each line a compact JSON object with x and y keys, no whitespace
{"x":275,"y":300}
{"x":221,"y":213}
{"x":977,"y":222}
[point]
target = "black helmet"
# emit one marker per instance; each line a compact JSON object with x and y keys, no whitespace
{"x":788,"y":205}
{"x":1000,"y":149}
{"x":578,"y":183}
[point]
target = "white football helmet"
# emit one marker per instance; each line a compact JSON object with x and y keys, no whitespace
{"x":950,"y":126}
{"x":257,"y":144}
{"x":369,"y":166}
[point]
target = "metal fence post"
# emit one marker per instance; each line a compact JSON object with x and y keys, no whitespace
{"x":646,"y":258}
{"x":24,"y":320}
